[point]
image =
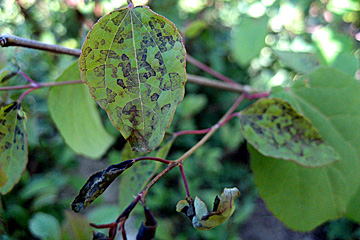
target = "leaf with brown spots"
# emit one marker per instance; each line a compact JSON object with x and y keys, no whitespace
{"x":133,"y":62}
{"x":275,"y":129}
{"x":13,"y":145}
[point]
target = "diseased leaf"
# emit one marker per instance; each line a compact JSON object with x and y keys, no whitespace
{"x":224,"y":207}
{"x":97,"y":184}
{"x":302,"y":62}
{"x":275,"y":129}
{"x":76,"y":116}
{"x":304,"y":198}
{"x":133,"y":61}
{"x":13,"y":144}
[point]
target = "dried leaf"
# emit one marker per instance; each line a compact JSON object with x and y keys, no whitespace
{"x":97,"y":184}
{"x":203,"y":219}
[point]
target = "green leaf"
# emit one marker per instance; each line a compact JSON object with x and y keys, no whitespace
{"x":248,"y":39}
{"x":133,"y":180}
{"x":76,"y":227}
{"x":45,"y":226}
{"x":302,"y":62}
{"x":336,"y":50}
{"x":13,"y":144}
{"x":3,"y":177}
{"x":276,"y":130}
{"x":133,"y":61}
{"x":76,"y":116}
{"x":304,"y":198}
{"x":97,"y":184}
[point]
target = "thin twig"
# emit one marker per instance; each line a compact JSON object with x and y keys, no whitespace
{"x":185,"y":180}
{"x":213,"y":130}
{"x":209,"y":70}
{"x":40,"y":85}
{"x":219,"y":85}
{"x":7,"y":40}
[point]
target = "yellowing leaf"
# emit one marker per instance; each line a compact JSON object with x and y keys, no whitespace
{"x":133,"y":62}
{"x":224,"y":207}
{"x":13,"y":144}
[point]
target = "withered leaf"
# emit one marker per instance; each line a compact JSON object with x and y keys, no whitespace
{"x":97,"y":184}
{"x":203,"y":219}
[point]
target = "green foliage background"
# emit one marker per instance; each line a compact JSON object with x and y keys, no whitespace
{"x":236,"y":38}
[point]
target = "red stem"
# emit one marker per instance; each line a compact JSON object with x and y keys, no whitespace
{"x":153,"y":159}
{"x":28,"y":78}
{"x":41,"y":85}
{"x":257,"y":95}
{"x":203,"y":131}
{"x":26,"y":93}
{"x":209,"y":70}
{"x":185,"y":181}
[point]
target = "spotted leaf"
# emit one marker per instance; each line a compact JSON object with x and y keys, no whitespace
{"x":276,"y":130}
{"x":13,"y":145}
{"x":133,"y":62}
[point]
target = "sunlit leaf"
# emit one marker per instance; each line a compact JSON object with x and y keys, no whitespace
{"x":302,"y":62}
{"x":97,"y":184}
{"x":304,"y":198}
{"x":275,"y":129}
{"x":248,"y":39}
{"x":223,"y":208}
{"x":336,"y":49}
{"x":13,"y":144}
{"x":76,"y":116}
{"x":133,"y":61}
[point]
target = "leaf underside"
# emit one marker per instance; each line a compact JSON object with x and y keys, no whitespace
{"x":13,"y":145}
{"x":76,"y":116}
{"x":275,"y":129}
{"x":133,"y":62}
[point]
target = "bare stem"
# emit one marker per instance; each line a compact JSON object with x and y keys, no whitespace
{"x":7,"y":40}
{"x":26,"y":93}
{"x":40,"y":85}
{"x":212,"y":131}
{"x":153,"y":159}
{"x":28,"y":78}
{"x":185,"y":181}
{"x":203,"y":131}
{"x":209,"y":70}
